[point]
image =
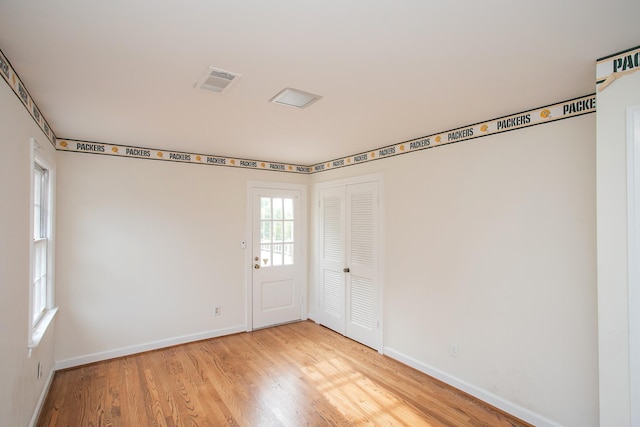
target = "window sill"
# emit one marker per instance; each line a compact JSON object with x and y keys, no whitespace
{"x":41,"y":328}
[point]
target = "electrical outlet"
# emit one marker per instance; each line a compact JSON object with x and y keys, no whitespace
{"x":216,"y":310}
{"x":453,"y":350}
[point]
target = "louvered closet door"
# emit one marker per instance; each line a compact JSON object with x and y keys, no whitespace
{"x":332,"y":258}
{"x":349,"y":261}
{"x":362,"y":260}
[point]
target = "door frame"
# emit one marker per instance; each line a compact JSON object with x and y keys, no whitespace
{"x":248,"y":240}
{"x":317,"y":238}
{"x":633,"y":255}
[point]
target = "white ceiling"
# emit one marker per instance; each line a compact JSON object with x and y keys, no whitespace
{"x":122,"y":72}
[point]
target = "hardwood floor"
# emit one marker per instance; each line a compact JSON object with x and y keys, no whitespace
{"x":299,"y":374}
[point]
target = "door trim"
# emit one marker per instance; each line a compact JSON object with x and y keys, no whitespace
{"x":248,"y":238}
{"x":374,"y":177}
{"x":633,"y":242}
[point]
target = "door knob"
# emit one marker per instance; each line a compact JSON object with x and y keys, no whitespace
{"x":345,"y":270}
{"x":256,"y":266}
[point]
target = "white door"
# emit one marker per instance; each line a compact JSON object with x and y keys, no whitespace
{"x":349,"y":261}
{"x":362,"y":219}
{"x":332,"y":258}
{"x":277,"y":261}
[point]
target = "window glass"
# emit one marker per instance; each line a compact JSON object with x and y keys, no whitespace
{"x":265,"y":207}
{"x":276,"y":229}
{"x":288,"y":208}
{"x":40,"y":243}
{"x":277,"y":208}
{"x":265,"y":255}
{"x":265,"y":232}
{"x":288,"y":231}
{"x":38,"y":191}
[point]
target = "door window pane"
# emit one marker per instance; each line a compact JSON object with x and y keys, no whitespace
{"x":265,"y":255}
{"x":265,"y":208}
{"x":288,"y":231}
{"x":265,"y":231}
{"x":288,"y":208}
{"x":277,"y":208}
{"x":276,"y":231}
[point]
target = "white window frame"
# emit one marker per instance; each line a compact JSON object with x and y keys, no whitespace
{"x":39,"y":324}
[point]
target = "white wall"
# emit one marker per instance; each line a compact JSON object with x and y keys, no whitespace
{"x":612,"y":248}
{"x":19,"y":387}
{"x":490,"y":245}
{"x":146,"y":249}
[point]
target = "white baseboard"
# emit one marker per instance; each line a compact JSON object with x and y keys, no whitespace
{"x":488,"y":397}
{"x":154,"y":345}
{"x":43,"y":396}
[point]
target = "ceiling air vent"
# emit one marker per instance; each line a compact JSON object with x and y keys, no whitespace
{"x":217,"y":80}
{"x":295,"y":98}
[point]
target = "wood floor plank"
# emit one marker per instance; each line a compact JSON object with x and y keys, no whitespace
{"x":299,"y":374}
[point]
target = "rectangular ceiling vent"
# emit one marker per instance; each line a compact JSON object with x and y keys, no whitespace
{"x":217,"y":80}
{"x":295,"y":98}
